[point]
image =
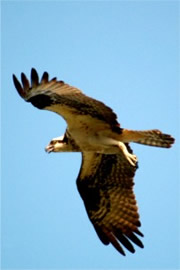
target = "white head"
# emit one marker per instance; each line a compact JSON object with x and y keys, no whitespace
{"x":61,"y":144}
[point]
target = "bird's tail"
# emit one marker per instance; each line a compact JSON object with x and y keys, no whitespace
{"x":152,"y":137}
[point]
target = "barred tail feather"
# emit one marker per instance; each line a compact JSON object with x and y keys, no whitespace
{"x":152,"y":137}
{"x":157,"y":138}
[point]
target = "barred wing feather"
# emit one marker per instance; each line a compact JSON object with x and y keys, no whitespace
{"x":105,"y":184}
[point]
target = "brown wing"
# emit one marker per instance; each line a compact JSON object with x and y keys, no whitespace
{"x":64,"y":99}
{"x":105,"y":183}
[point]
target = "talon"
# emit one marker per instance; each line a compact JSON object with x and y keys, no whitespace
{"x":132,"y":159}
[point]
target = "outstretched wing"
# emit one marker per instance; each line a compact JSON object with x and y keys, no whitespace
{"x":65,"y":100}
{"x":105,"y":183}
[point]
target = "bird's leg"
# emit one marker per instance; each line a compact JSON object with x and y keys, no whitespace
{"x":132,"y":159}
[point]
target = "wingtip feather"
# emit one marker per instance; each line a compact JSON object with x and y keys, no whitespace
{"x":34,"y":78}
{"x":45,"y":77}
{"x":25,"y":82}
{"x":135,"y":240}
{"x":113,"y":241}
{"x":18,"y":86}
{"x":125,"y":241}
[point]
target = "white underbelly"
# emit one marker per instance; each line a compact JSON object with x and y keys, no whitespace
{"x":89,"y":140}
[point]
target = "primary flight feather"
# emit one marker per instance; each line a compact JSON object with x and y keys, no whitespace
{"x":105,"y":181}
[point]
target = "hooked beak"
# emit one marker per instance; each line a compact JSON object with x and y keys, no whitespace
{"x":49,"y":148}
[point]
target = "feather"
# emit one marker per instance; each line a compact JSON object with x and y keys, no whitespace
{"x":106,"y":187}
{"x":34,"y":78}
{"x":105,"y":181}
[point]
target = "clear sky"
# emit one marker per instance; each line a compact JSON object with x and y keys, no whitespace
{"x":124,"y":53}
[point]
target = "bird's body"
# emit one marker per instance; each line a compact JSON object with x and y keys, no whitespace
{"x":105,"y":180}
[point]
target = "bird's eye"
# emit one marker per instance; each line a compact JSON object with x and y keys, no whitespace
{"x":59,"y":141}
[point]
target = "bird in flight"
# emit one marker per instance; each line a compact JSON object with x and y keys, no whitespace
{"x":105,"y":181}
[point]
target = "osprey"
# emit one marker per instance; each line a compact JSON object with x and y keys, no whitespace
{"x":105,"y":181}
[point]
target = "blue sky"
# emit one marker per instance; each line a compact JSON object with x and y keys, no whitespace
{"x":124,"y":53}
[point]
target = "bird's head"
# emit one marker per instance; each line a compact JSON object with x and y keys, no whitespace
{"x":61,"y":144}
{"x":56,"y":145}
